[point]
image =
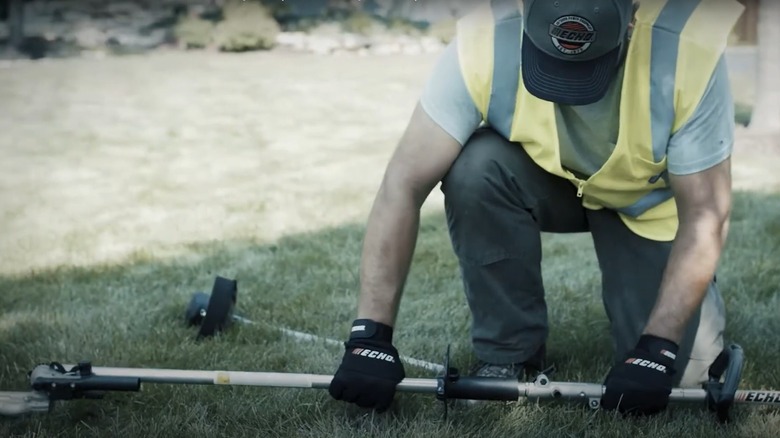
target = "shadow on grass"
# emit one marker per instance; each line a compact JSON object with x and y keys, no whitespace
{"x":132,"y":315}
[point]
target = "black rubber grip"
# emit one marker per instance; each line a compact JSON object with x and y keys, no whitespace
{"x":482,"y":388}
{"x":110,"y":383}
{"x":86,"y":384}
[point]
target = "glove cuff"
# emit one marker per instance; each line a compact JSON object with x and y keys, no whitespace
{"x":370,"y":329}
{"x":658,"y":346}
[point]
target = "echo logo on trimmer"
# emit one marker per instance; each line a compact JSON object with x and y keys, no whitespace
{"x":761,"y":397}
{"x":647,"y":364}
{"x":373,"y":354}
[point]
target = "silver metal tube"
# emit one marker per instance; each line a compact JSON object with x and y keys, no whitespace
{"x":542,"y":388}
{"x":688,"y":395}
{"x":243,"y":378}
{"x":573,"y":390}
{"x":533,"y":390}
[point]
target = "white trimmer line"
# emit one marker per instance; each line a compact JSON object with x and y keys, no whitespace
{"x":215,"y":312}
{"x":302,"y":336}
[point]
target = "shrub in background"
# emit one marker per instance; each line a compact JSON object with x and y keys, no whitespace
{"x":360,"y":22}
{"x":193,"y":32}
{"x":246,"y":25}
{"x":443,"y":30}
{"x":400,"y":26}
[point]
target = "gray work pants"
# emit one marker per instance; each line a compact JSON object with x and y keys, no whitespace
{"x":497,"y":203}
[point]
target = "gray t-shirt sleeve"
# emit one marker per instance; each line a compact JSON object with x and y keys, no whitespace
{"x":708,"y":137}
{"x":446,"y":99}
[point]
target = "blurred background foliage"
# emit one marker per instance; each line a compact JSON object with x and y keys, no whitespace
{"x":64,"y":28}
{"x":254,"y":25}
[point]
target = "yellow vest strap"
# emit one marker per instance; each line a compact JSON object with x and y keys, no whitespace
{"x":663,"y":66}
{"x":506,"y":68}
{"x":648,"y":201}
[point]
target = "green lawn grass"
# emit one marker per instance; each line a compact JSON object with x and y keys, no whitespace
{"x":128,"y":183}
{"x":132,"y":315}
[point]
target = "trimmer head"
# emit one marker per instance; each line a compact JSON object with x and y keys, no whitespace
{"x":196,"y":309}
{"x":213,"y":312}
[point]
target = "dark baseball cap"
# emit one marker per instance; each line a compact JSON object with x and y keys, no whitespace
{"x":572,"y":48}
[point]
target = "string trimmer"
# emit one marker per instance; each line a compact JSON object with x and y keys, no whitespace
{"x":55,"y":382}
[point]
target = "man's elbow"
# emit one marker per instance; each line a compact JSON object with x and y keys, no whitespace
{"x":398,"y":187}
{"x":707,"y":226}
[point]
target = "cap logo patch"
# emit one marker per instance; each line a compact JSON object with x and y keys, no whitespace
{"x":572,"y":34}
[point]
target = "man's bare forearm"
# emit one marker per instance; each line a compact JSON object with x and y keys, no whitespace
{"x":388,"y":248}
{"x":691,"y":267}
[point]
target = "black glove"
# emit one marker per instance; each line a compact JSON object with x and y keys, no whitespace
{"x":370,"y":369}
{"x":642,"y":382}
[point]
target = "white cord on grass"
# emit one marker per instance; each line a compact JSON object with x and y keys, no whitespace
{"x":301,"y":336}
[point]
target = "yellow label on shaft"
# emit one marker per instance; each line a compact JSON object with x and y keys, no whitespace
{"x":222,"y":379}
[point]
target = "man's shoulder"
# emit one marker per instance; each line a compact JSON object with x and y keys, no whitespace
{"x":494,"y":12}
{"x":507,"y":12}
